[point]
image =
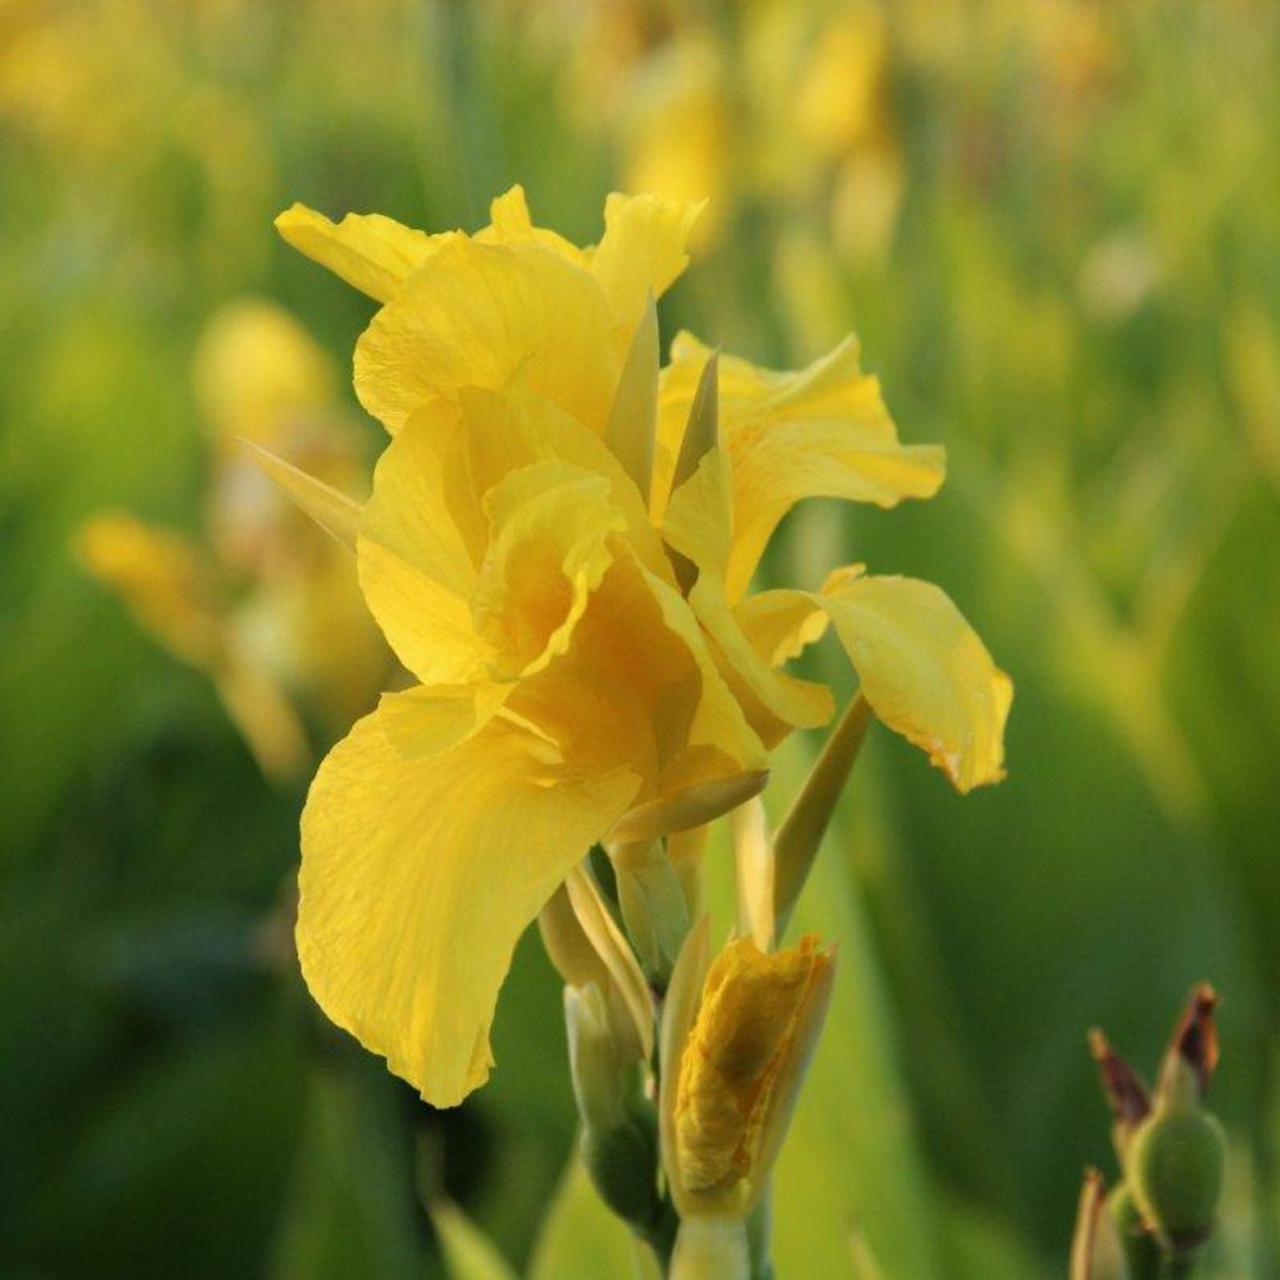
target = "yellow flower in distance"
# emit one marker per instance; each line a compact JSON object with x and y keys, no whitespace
{"x":736,"y":1040}
{"x":564,"y":569}
{"x":262,"y":604}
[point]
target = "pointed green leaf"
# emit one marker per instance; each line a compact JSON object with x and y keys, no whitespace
{"x":582,"y":1240}
{"x":469,"y":1254}
{"x":800,"y":835}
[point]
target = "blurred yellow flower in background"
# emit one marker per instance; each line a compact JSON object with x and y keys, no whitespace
{"x":264,"y":604}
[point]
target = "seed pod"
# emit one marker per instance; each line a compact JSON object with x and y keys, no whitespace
{"x":1176,"y":1165}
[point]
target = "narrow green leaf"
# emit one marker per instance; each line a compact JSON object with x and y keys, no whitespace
{"x":469,"y":1253}
{"x":582,"y":1240}
{"x":800,"y":835}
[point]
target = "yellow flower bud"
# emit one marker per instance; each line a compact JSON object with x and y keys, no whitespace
{"x":732,"y":1069}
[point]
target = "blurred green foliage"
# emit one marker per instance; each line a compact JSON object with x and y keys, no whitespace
{"x":1078,"y":290}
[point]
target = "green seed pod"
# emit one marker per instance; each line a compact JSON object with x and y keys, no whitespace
{"x":1137,"y":1243}
{"x":1176,"y":1165}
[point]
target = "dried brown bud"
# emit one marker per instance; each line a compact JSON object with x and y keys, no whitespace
{"x":1195,"y":1039}
{"x":1125,"y":1090}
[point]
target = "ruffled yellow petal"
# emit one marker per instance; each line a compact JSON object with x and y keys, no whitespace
{"x":510,"y":223}
{"x":416,"y":571}
{"x":418,"y":876}
{"x":371,"y":252}
{"x":643,"y":250}
{"x":441,"y":532}
{"x":481,"y":313}
{"x":820,"y":432}
{"x":780,"y":624}
{"x":550,"y":549}
{"x":520,"y":427}
{"x":640,"y":657}
{"x":924,"y":671}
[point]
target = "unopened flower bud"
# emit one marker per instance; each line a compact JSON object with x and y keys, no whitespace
{"x":1176,"y":1164}
{"x":1176,"y":1159}
{"x":619,"y":1130}
{"x":734,"y":1055}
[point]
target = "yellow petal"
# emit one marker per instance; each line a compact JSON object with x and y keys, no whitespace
{"x":425,"y":720}
{"x":519,"y":427}
{"x":640,"y":652}
{"x":698,"y":525}
{"x":510,"y":223}
{"x":820,"y":432}
{"x":924,"y":671}
{"x":643,"y":250}
{"x":551,"y":524}
{"x":425,"y":540}
{"x":780,"y":624}
{"x":415,"y":569}
{"x":419,"y":875}
{"x":372,"y":253}
{"x":482,"y":312}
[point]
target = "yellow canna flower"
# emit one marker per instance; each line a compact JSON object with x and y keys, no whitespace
{"x":736,"y":1040}
{"x":508,"y":557}
{"x":563,"y":569}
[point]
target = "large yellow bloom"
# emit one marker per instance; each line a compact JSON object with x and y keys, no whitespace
{"x":525,"y":551}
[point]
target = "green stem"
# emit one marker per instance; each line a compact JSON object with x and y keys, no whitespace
{"x":759,"y":1233}
{"x":1178,"y":1266}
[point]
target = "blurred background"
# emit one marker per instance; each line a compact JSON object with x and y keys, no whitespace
{"x":1056,"y":228}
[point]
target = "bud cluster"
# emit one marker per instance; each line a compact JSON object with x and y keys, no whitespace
{"x":1172,"y":1156}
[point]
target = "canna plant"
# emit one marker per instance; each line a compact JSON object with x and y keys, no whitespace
{"x":559,"y":546}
